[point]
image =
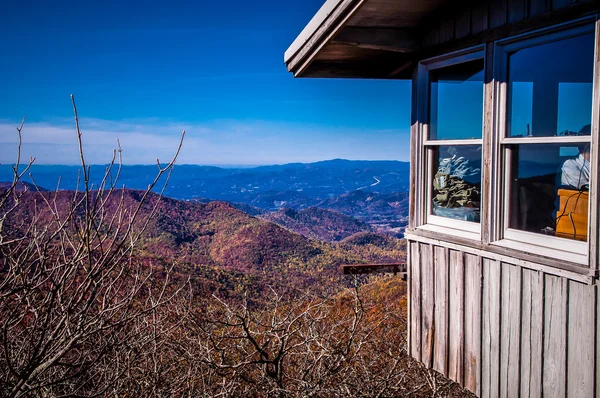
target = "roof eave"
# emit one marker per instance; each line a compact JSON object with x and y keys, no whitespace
{"x":321,"y":28}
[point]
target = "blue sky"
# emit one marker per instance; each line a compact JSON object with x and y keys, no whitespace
{"x":142,"y":71}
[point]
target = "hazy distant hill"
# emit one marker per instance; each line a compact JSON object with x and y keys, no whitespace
{"x":371,"y":191}
{"x":22,"y":186}
{"x":316,"y":223}
{"x":265,"y":185}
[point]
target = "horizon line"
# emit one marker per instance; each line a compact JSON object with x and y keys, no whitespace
{"x":220,"y":165}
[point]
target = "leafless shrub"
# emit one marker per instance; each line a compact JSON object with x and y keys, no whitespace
{"x":82,"y":315}
{"x":75,"y":306}
{"x":339,"y":346}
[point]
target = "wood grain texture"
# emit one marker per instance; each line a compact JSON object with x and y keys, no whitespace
{"x":537,"y":7}
{"x":490,"y":352}
{"x":472,"y":354}
{"x":522,"y":259}
{"x":427,"y":304}
{"x":532,"y":321}
{"x":555,"y":337}
{"x":510,"y":332}
{"x":498,"y":13}
{"x":415,"y":310}
{"x":595,"y":162}
{"x":479,"y":17}
{"x":597,"y":372}
{"x":440,"y":348}
{"x":558,"y":4}
{"x":317,"y":40}
{"x":414,"y":150}
{"x":409,"y":298}
{"x":462,"y":24}
{"x":517,"y":10}
{"x":488,"y":209}
{"x":446,"y":29}
{"x":456,"y":317}
{"x":580,"y":333}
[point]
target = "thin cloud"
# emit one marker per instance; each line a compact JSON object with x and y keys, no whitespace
{"x":218,"y":142}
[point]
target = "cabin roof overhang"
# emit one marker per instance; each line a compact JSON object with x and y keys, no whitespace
{"x":384,"y":39}
{"x":362,"y":38}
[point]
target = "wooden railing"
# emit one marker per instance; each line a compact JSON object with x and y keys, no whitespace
{"x":359,"y":269}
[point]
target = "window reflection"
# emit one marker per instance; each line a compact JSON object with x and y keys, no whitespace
{"x":548,"y":189}
{"x":457,"y":182}
{"x":555,"y":99}
{"x":456,"y":101}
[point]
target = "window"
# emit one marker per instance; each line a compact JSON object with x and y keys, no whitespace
{"x":545,"y":142}
{"x":538,"y":158}
{"x":454,"y":99}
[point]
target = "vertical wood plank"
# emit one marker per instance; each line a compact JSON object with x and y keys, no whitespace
{"x":517,"y":10}
{"x":479,"y":17}
{"x":413,"y":220}
{"x":427,"y":304}
{"x":558,"y":4}
{"x":597,"y":343}
{"x":462,"y":24}
{"x":409,"y":297}
{"x":431,"y":37}
{"x":490,"y":352}
{"x":510,"y":331}
{"x":440,"y":354}
{"x":580,"y":337}
{"x":488,"y":171}
{"x":555,"y":339}
{"x":415,"y":289}
{"x":594,"y":219}
{"x":472,"y":354}
{"x":538,"y":7}
{"x":446,"y":32}
{"x":456,"y":317}
{"x":532,"y":321}
{"x":498,"y":13}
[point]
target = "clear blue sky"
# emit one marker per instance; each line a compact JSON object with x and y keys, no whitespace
{"x":142,"y":71}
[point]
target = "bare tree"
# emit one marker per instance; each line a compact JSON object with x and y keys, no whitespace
{"x":76,"y":306}
{"x":306,"y":346}
{"x":82,"y":314}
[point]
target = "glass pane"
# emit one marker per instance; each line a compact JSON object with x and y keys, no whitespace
{"x":549,"y":189}
{"x":457,"y":182}
{"x":456,"y":101}
{"x":550,"y":88}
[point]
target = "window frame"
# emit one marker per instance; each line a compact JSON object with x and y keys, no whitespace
{"x":490,"y":234}
{"x":425,"y":219}
{"x":582,"y":253}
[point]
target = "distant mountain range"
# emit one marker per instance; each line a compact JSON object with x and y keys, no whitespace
{"x":373,"y":192}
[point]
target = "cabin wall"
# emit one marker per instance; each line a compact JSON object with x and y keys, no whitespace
{"x":493,"y":319}
{"x":484,"y":21}
{"x":500,"y":329}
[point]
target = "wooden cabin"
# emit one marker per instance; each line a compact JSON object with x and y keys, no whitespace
{"x":503,"y":236}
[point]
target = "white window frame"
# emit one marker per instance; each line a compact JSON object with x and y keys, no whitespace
{"x":558,"y":248}
{"x":426,"y":220}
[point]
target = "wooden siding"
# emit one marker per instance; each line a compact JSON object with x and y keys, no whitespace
{"x":502,"y":330}
{"x":483,"y":18}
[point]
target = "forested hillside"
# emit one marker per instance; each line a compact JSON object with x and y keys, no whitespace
{"x":125,"y":293}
